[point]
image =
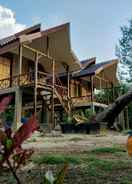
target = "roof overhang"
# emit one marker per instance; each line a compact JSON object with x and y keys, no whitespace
{"x":104,"y":76}
{"x":54,"y":42}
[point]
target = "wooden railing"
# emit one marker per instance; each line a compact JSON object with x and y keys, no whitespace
{"x":25,"y":79}
{"x":87,"y":99}
{"x":81,"y":99}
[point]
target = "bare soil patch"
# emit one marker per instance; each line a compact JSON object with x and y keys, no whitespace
{"x":100,"y":159}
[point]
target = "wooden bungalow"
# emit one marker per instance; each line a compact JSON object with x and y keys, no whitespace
{"x":45,"y":76}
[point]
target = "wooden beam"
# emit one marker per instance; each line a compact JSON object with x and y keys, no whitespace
{"x":92,"y":88}
{"x":37,"y":51}
{"x":35,"y":82}
{"x":53,"y":92}
{"x":20,"y":60}
{"x":100,"y":78}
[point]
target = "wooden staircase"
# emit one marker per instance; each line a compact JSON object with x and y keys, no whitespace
{"x":59,"y":92}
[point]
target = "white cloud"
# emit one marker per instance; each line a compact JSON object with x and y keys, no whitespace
{"x":8,"y":24}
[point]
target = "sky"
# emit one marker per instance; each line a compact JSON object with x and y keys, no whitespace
{"x":95,"y":24}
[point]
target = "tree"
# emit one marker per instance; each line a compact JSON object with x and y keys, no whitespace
{"x":113,"y":110}
{"x":124,"y":52}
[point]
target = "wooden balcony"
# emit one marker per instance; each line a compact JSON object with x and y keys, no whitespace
{"x":26,"y":79}
{"x":86,"y":100}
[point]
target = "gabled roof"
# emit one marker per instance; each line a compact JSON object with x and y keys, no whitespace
{"x":54,"y":41}
{"x":87,"y":62}
{"x":16,"y":36}
{"x":94,"y":68}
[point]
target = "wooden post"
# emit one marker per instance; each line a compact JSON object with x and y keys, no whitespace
{"x":107,"y":88}
{"x":100,"y":83}
{"x":18,"y":93}
{"x":92,"y":90}
{"x":35,"y":83}
{"x":20,"y":64}
{"x":53,"y":92}
{"x":69,"y":95}
{"x":68,"y":81}
{"x":91,"y":79}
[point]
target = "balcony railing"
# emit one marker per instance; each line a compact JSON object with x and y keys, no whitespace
{"x":28,"y":79}
{"x":82,"y":100}
{"x":25,"y":79}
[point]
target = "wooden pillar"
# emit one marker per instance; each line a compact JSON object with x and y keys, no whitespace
{"x":107,"y":88}
{"x":68,"y":81}
{"x":53,"y":92}
{"x":18,"y":108}
{"x":18,"y":93}
{"x":44,"y":113}
{"x":35,"y":83}
{"x":92,"y":88}
{"x":20,"y":64}
{"x":100,"y":83}
{"x":69,"y":94}
{"x":72,"y":88}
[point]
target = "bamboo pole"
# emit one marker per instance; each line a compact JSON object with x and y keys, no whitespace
{"x":91,"y":78}
{"x":20,"y":59}
{"x":37,"y":51}
{"x":35,"y":83}
{"x":92,"y":89}
{"x":68,"y":81}
{"x":53,"y":92}
{"x":20,"y":63}
{"x":69,"y":94}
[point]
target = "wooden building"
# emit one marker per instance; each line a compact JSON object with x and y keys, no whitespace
{"x":42,"y":72}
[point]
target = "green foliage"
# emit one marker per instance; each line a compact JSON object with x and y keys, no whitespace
{"x":89,"y":113}
{"x":9,"y":113}
{"x":93,"y":163}
{"x":124,"y":52}
{"x":8,"y":143}
{"x":55,"y":159}
{"x":108,"y":150}
{"x":67,"y":119}
{"x":109,"y":95}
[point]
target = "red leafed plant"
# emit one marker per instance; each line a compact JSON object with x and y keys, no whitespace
{"x":11,"y":152}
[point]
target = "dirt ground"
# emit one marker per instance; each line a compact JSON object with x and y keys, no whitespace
{"x":74,"y":143}
{"x":104,"y":166}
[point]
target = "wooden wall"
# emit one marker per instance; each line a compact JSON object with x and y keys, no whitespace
{"x":4,"y":68}
{"x":79,"y":88}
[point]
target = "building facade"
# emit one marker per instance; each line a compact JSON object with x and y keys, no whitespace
{"x":45,"y":77}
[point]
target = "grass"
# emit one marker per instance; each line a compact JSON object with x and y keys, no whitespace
{"x":111,"y":150}
{"x":96,"y":166}
{"x":76,"y":139}
{"x":55,"y":159}
{"x":105,"y":165}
